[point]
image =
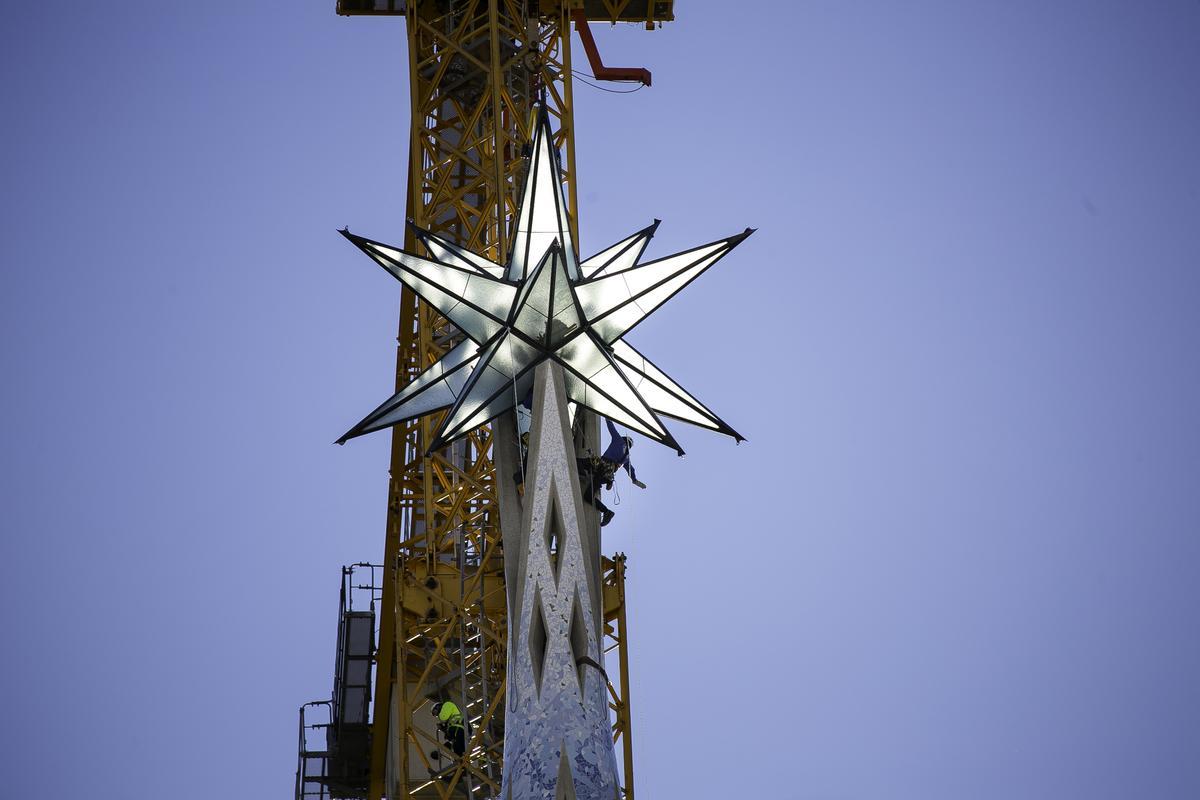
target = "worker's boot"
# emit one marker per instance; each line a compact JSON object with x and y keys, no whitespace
{"x":606,"y":516}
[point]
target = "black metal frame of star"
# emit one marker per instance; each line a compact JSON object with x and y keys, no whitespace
{"x":593,"y":341}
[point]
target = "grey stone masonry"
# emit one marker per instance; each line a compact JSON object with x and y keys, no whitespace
{"x":558,"y":737}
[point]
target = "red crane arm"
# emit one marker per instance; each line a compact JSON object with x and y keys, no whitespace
{"x":602,"y":72}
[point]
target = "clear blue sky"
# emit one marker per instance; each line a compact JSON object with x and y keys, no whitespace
{"x":958,"y":556}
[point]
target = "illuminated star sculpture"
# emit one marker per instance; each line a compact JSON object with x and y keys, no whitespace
{"x":544,"y":304}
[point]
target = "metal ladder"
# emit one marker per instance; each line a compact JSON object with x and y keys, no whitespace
{"x":476,"y":686}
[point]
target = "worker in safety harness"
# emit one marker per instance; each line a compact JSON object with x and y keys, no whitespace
{"x":596,"y":472}
{"x":450,"y":723}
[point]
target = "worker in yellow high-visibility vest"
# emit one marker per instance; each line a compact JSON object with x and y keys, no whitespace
{"x":450,"y":723}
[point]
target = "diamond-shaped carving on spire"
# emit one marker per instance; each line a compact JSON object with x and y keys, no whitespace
{"x":538,"y":640}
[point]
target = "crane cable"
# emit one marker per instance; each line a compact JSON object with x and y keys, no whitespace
{"x":582,"y":76}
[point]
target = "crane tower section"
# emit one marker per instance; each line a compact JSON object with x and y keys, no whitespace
{"x":476,"y":70}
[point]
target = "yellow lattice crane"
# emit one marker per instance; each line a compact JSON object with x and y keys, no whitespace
{"x":476,"y":69}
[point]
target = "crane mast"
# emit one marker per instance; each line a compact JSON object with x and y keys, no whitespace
{"x":476,"y":70}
